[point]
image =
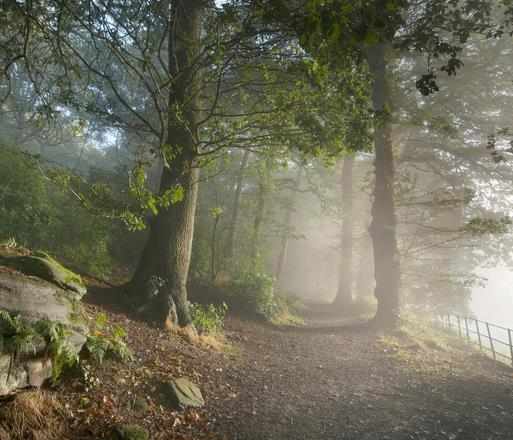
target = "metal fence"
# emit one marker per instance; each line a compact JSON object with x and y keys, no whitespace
{"x":491,"y":338}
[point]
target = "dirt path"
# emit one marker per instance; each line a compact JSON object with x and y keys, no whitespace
{"x":349,"y":383}
{"x":321,"y":382}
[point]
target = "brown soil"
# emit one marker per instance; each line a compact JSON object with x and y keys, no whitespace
{"x":306,"y":383}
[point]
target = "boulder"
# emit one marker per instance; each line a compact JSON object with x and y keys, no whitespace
{"x":43,"y":266}
{"x":23,"y":374}
{"x":180,"y":394}
{"x":31,"y":300}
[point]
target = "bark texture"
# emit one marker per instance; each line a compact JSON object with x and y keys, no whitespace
{"x":383,"y":225}
{"x":160,"y":280}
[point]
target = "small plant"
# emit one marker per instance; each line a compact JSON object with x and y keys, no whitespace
{"x":89,"y":379}
{"x":208,"y":319}
{"x":106,"y":340}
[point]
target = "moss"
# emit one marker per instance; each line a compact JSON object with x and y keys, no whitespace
{"x":47,"y":268}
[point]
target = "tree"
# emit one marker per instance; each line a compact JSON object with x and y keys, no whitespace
{"x":333,"y":31}
{"x":344,"y":296}
{"x":287,"y":225}
{"x":232,"y":227}
{"x":167,"y":254}
{"x":187,"y":83}
{"x":383,"y":224}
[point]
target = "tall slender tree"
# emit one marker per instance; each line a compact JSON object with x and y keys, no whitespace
{"x":383,"y":224}
{"x":287,"y":225}
{"x":232,"y":227}
{"x":344,"y":296}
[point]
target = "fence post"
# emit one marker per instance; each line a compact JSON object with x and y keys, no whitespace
{"x":459,"y":325}
{"x":478,"y":335}
{"x":467,"y":331}
{"x":448,"y":321}
{"x":510,"y":345}
{"x":491,"y":341}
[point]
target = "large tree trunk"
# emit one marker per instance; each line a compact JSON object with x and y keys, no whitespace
{"x":160,"y":280}
{"x":383,"y":224}
{"x":285,"y":238}
{"x":344,"y":296}
{"x":230,"y":242}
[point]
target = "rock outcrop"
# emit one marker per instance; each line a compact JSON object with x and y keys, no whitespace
{"x":43,"y":266}
{"x":36,"y":292}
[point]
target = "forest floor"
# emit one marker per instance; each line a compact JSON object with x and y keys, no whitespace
{"x":326,"y":380}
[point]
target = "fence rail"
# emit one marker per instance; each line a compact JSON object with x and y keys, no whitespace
{"x":497,"y":341}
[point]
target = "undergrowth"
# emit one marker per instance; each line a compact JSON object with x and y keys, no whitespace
{"x":208,"y":319}
{"x":19,"y":337}
{"x":107,"y":341}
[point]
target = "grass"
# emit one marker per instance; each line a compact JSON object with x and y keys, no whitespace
{"x":32,"y":415}
{"x":419,"y":345}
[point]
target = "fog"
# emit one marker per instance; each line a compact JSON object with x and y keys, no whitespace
{"x":253,"y":220}
{"x":494,"y":301}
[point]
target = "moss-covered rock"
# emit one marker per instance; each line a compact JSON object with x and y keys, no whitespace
{"x":43,"y":266}
{"x":30,"y":307}
{"x":130,"y":432}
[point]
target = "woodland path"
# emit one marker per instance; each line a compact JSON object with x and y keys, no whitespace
{"x":349,"y":383}
{"x":329,"y":380}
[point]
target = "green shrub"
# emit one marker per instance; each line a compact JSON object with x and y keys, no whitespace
{"x":37,"y":214}
{"x":208,"y":319}
{"x":253,"y":293}
{"x":105,"y":341}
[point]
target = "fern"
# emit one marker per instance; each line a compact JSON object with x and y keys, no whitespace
{"x":23,"y":337}
{"x":104,"y":342}
{"x":19,"y":336}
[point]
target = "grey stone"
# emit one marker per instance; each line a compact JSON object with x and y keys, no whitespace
{"x":43,"y":266}
{"x":181,"y":393}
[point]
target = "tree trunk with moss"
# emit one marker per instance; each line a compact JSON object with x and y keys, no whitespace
{"x":159,"y":285}
{"x":383,"y":225}
{"x":344,"y":296}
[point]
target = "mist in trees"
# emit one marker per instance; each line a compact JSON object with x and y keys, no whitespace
{"x":357,"y":157}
